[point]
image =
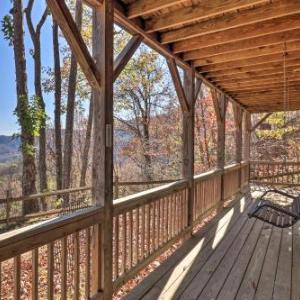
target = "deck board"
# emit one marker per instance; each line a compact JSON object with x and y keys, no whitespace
{"x":268,"y":275}
{"x":282,"y":286}
{"x":234,"y":258}
{"x":212,"y":264}
{"x":296,"y":263}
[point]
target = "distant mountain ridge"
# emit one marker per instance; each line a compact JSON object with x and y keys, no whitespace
{"x":9,"y":148}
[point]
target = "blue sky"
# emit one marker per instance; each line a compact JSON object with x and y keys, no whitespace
{"x":8,"y":123}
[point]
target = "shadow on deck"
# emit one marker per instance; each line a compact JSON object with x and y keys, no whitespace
{"x":233,"y":257}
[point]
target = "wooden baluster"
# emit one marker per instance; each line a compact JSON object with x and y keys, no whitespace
{"x":143,"y":233}
{"x":152,"y":227}
{"x":130,"y":240}
{"x":50,"y":274}
{"x":76,"y":266}
{"x":177,"y":213}
{"x":148,"y":229}
{"x":174,"y":214}
{"x":137,"y":230}
{"x":157,"y":219}
{"x":195,"y":200}
{"x":203,"y":198}
{"x":160,"y":222}
{"x":180,"y":211}
{"x":183,"y":209}
{"x":169,"y":215}
{"x":64,"y":258}
{"x":185,"y":194}
{"x":17,"y":277}
{"x":172,"y":196}
{"x":124,"y":238}
{"x":87,"y":263}
{"x":35,"y":273}
{"x":166,"y":218}
{"x":0,"y":280}
{"x":117,"y":241}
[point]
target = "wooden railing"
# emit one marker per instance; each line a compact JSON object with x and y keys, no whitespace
{"x":11,"y":208}
{"x":207,"y":194}
{"x":232,"y":183}
{"x":144,"y":226}
{"x":50,"y":260}
{"x":275,"y":173}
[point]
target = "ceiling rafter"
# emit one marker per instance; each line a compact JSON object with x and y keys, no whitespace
{"x":246,"y":17}
{"x":204,"y":10}
{"x":238,"y":34}
{"x":145,"y":7}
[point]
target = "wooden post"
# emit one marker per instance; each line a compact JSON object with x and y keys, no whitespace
{"x":103,"y":150}
{"x":238,"y":120}
{"x":247,"y":140}
{"x":247,"y":136}
{"x":117,"y":187}
{"x":220,"y":106}
{"x":188,"y":140}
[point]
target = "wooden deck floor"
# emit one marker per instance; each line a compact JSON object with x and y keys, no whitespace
{"x":234,"y":257}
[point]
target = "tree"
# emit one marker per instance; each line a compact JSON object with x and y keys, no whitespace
{"x":141,"y":91}
{"x":58,"y":108}
{"x":87,"y":144}
{"x":35,"y":34}
{"x":68,"y":143}
{"x":23,"y":110}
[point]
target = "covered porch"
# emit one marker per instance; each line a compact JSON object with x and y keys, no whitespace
{"x":247,"y":54}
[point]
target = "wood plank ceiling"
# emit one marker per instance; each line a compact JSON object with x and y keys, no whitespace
{"x":238,"y":45}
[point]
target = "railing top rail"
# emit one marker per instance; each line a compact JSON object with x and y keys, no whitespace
{"x":207,"y":175}
{"x":30,"y":237}
{"x":274,"y":162}
{"x":81,"y":189}
{"x":47,"y":194}
{"x":144,"y":197}
{"x":232,"y":167}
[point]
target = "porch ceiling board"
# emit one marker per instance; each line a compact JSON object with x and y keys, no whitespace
{"x":235,"y":46}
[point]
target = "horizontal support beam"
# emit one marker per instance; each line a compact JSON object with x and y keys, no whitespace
{"x":244,"y":17}
{"x":238,"y":34}
{"x":205,"y":9}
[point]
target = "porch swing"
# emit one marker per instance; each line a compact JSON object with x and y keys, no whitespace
{"x":287,"y":213}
